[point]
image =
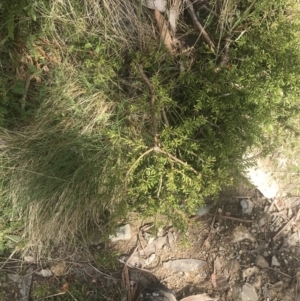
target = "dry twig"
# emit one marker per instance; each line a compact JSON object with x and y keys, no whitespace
{"x":237,"y":219}
{"x":198,"y":24}
{"x":283,"y":228}
{"x":152,"y":104}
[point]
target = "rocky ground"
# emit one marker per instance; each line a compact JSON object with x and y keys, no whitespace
{"x":243,"y":248}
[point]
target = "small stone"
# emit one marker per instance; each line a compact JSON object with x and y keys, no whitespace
{"x":247,"y":206}
{"x":275,"y":261}
{"x":266,"y":253}
{"x":261,"y":262}
{"x":122,"y":233}
{"x":44,"y":273}
{"x":160,"y":232}
{"x":29,"y":259}
{"x":241,"y":233}
{"x":250,"y":272}
{"x":184,"y":265}
{"x":262,"y":221}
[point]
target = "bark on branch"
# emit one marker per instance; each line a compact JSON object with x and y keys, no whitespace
{"x":198,"y":24}
{"x":152,"y":105}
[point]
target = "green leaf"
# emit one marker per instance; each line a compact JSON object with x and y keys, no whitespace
{"x":10,"y":27}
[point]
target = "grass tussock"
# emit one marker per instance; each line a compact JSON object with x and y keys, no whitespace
{"x":62,"y":170}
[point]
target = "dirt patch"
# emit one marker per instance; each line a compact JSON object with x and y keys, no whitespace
{"x":247,"y":256}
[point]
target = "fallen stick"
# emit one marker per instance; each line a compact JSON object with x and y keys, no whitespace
{"x":280,"y":272}
{"x":283,"y":228}
{"x":198,"y":24}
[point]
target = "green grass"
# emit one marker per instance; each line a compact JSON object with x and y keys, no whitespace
{"x":98,"y":119}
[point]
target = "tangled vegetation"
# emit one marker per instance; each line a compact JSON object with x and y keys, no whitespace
{"x":100,"y":118}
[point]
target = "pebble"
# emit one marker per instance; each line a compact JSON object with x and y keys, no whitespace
{"x":44,"y":273}
{"x":241,"y":233}
{"x":184,"y":265}
{"x":244,"y":293}
{"x":275,"y":261}
{"x":261,"y":262}
{"x":250,"y":272}
{"x":247,"y":206}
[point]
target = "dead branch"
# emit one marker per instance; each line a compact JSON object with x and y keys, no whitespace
{"x":152,"y":105}
{"x":27,"y":84}
{"x":198,"y":24}
{"x":292,"y":220}
{"x":165,"y":117}
{"x":165,"y":34}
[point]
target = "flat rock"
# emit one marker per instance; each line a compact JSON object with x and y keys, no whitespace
{"x":261,"y":262}
{"x":244,"y":292}
{"x":184,"y":265}
{"x":15,"y":278}
{"x":248,"y":293}
{"x":199,"y":297}
{"x":241,"y":233}
{"x":122,"y":233}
